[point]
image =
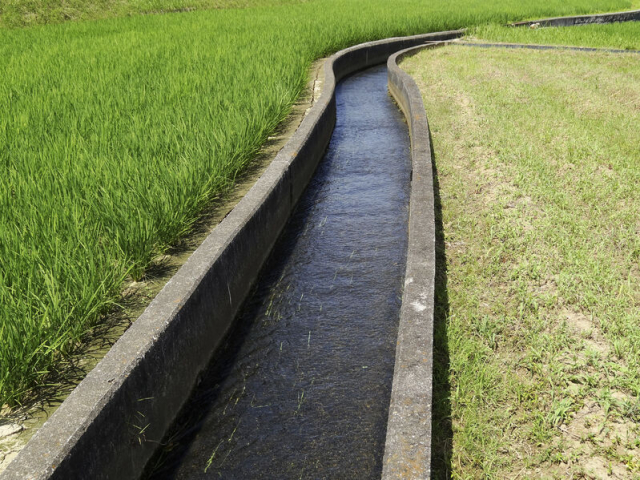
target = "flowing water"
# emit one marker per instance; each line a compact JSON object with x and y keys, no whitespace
{"x":301,"y":387}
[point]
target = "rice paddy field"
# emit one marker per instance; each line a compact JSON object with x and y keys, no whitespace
{"x":21,"y":13}
{"x":538,"y":284}
{"x":115,"y":135}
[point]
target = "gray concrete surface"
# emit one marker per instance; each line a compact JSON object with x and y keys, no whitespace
{"x":112,"y":422}
{"x":543,"y":47}
{"x":408,"y":445}
{"x":630,"y":16}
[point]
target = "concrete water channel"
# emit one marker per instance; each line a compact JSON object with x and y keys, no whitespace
{"x":113,"y":422}
{"x":301,"y":387}
{"x":118,"y":416}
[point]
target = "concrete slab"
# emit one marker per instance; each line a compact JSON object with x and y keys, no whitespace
{"x":408,"y":445}
{"x":630,"y":16}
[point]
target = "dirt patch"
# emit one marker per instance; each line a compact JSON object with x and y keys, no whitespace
{"x":597,"y":446}
{"x":588,"y":331}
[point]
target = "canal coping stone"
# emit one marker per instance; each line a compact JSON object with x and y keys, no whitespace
{"x":629,"y":16}
{"x":407,"y":451}
{"x":408,"y":444}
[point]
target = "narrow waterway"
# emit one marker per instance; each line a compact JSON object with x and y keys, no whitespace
{"x":301,"y":387}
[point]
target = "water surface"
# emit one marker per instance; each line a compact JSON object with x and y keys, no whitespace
{"x":302,"y":385}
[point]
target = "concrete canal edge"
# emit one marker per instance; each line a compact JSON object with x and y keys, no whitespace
{"x":630,"y":16}
{"x":407,"y":452}
{"x":524,"y":46}
{"x":112,"y":422}
{"x":408,"y":445}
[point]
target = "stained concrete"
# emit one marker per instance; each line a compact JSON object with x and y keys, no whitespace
{"x":630,"y":16}
{"x":408,"y":443}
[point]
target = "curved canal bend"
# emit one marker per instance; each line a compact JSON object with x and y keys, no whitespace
{"x":301,"y":386}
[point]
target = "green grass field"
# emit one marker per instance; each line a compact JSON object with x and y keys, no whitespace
{"x":624,"y":36}
{"x":116,"y":134}
{"x":538,"y":324}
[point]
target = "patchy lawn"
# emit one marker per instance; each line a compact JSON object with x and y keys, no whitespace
{"x":538,"y":163}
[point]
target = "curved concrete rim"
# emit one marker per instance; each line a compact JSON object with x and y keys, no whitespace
{"x":408,"y":443}
{"x":629,"y":16}
{"x":407,"y":451}
{"x":115,"y":418}
{"x":527,"y":46}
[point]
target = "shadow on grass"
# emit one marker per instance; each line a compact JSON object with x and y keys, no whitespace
{"x":442,"y":432}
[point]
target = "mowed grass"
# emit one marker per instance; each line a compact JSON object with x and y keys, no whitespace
{"x":115,"y":135}
{"x":538,"y":162}
{"x":625,"y":36}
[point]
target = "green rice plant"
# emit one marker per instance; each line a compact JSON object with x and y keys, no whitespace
{"x":19,"y":13}
{"x":116,"y":134}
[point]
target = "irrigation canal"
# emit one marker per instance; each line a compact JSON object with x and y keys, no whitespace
{"x":301,"y":387}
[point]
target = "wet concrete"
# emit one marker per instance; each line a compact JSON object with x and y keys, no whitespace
{"x":301,"y":387}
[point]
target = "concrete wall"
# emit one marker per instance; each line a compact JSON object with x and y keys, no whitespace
{"x":408,"y":444}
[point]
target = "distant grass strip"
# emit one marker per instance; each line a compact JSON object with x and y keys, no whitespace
{"x":624,"y":36}
{"x":22,"y":13}
{"x":114,"y":136}
{"x":539,"y":164}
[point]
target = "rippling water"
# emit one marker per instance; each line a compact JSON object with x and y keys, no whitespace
{"x":301,"y":387}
